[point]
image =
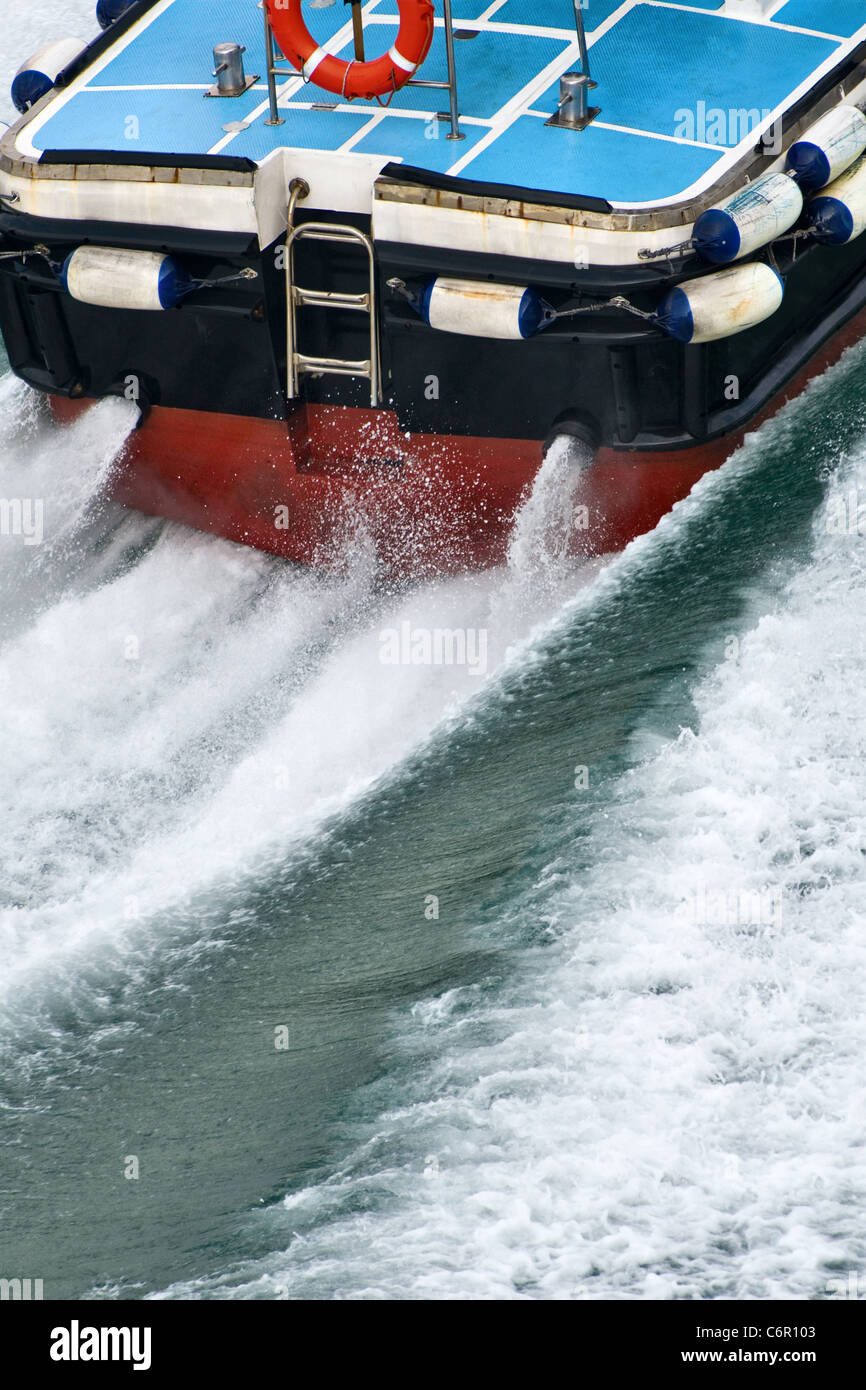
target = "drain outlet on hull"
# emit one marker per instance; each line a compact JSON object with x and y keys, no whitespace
{"x":573,"y":424}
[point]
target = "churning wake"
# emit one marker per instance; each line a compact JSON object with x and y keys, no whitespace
{"x":664,"y":1098}
{"x":651,"y":1090}
{"x":180,"y":710}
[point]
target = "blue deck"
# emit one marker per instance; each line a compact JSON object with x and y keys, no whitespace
{"x":662,"y":70}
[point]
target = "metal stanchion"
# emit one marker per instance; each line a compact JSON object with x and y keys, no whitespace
{"x":574,"y":111}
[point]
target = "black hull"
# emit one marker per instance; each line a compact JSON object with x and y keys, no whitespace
{"x":224,"y":350}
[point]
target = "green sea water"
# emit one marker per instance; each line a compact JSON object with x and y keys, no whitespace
{"x":324,"y":977}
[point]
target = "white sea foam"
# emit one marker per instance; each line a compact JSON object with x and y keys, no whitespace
{"x":180,"y":711}
{"x":548,"y":529}
{"x":671,"y":1104}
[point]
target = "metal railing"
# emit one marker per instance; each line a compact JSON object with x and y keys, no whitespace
{"x":273,"y":72}
{"x":450,"y":86}
{"x":574,"y":111}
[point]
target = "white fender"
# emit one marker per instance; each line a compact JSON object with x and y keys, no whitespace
{"x":720,"y":305}
{"x":116,"y":278}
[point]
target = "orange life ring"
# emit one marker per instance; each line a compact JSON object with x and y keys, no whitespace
{"x":349,"y":80}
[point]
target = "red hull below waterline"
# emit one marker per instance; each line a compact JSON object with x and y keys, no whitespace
{"x":429,"y":504}
{"x":438,"y":504}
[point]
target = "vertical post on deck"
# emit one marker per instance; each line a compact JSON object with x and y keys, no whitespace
{"x":581,"y":38}
{"x":358,"y":30}
{"x":454,"y":133}
{"x":274,"y":118}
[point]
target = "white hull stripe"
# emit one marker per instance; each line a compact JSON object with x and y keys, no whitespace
{"x":313,"y":62}
{"x":399,"y":61}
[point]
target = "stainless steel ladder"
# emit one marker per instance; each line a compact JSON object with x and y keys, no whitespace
{"x":298,"y":296}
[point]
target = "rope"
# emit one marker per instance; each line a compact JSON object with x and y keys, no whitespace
{"x":246,"y":274}
{"x":667,"y":251}
{"x":30,"y":251}
{"x":393,"y":92}
{"x":800,"y":234}
{"x":616,"y":303}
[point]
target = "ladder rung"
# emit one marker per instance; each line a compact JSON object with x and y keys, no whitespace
{"x":330,"y":299}
{"x":299,"y":295}
{"x":353,"y":238}
{"x":336,"y":366}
